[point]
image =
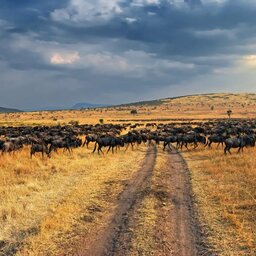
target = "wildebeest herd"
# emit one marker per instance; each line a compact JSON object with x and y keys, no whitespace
{"x":48,"y":139}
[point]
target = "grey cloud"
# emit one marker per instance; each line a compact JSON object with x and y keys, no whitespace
{"x":165,"y":47}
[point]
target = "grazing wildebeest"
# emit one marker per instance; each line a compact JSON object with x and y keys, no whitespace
{"x":60,"y":143}
{"x":192,"y":138}
{"x":110,"y":142}
{"x":116,"y":142}
{"x":239,"y":142}
{"x":215,"y":138}
{"x":168,"y":140}
{"x":90,"y":138}
{"x":132,"y":137}
{"x":9,"y":147}
{"x":37,"y":148}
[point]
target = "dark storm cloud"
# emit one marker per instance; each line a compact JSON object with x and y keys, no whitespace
{"x":59,"y":52}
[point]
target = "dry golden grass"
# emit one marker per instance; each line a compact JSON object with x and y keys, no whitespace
{"x":225,"y":189}
{"x":46,"y":203}
{"x":193,"y":107}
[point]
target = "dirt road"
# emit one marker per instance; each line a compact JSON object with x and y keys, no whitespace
{"x":176,"y":232}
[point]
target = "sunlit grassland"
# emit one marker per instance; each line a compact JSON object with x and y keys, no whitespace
{"x":46,"y":204}
{"x":225,"y":191}
{"x":197,"y":107}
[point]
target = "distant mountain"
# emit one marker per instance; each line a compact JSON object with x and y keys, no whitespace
{"x":9,"y":110}
{"x":87,"y":105}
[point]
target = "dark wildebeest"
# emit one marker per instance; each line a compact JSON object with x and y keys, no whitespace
{"x":132,"y":137}
{"x":168,"y":140}
{"x":60,"y":143}
{"x":116,"y":142}
{"x":37,"y":148}
{"x":90,"y":138}
{"x":192,"y":138}
{"x":110,"y":142}
{"x":215,"y":138}
{"x":239,"y":142}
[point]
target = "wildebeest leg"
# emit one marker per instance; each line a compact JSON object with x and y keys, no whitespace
{"x":195,"y":145}
{"x":95,"y":146}
{"x":101,"y":150}
{"x":108,"y":149}
{"x":169,"y":146}
{"x":132,"y":145}
{"x":165,"y":144}
{"x":87,"y":143}
{"x":112,"y":149}
{"x":218,"y":145}
{"x":240,"y":148}
{"x":225,"y":150}
{"x":229,"y":151}
{"x":127,"y":147}
{"x":186,"y":146}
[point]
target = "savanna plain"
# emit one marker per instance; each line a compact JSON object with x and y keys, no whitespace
{"x":129,"y":202}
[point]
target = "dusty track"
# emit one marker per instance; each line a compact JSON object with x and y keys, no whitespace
{"x":176,"y":229}
{"x":107,"y":242}
{"x":183,"y":232}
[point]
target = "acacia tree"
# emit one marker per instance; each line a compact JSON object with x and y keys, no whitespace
{"x":134,"y":112}
{"x":229,"y":113}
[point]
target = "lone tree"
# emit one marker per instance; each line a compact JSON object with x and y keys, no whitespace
{"x":134,"y":112}
{"x":229,"y":113}
{"x":101,"y":121}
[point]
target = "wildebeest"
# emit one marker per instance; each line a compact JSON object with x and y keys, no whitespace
{"x":60,"y":143}
{"x":215,"y":138}
{"x":168,"y":140}
{"x":192,"y":138}
{"x":110,"y":142}
{"x":239,"y":142}
{"x":9,"y":147}
{"x":39,"y":148}
{"x":90,"y":138}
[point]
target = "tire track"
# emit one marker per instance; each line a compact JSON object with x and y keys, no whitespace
{"x":108,"y":242}
{"x":183,"y":238}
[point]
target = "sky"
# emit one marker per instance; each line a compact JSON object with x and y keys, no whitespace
{"x":59,"y":53}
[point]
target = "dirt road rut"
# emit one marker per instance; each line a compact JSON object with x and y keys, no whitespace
{"x":176,"y":227}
